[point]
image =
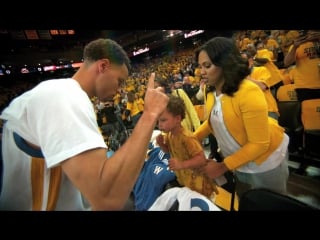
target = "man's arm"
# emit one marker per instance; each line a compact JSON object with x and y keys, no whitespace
{"x":107,"y":183}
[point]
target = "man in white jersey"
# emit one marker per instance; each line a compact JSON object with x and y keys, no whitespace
{"x":56,"y":119}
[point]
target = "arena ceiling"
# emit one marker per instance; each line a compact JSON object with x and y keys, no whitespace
{"x":25,"y":42}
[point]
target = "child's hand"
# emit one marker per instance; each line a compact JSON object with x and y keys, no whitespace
{"x":162,"y":138}
{"x":175,"y":164}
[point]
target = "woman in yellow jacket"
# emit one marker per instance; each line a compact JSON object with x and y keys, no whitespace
{"x":253,"y":145}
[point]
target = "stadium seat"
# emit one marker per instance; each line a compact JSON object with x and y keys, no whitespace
{"x":290,"y":120}
{"x":290,"y":117}
{"x":310,"y":116}
{"x":266,"y":200}
{"x":287,"y":93}
{"x":200,"y":111}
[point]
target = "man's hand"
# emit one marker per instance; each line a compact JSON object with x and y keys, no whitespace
{"x":155,"y":101}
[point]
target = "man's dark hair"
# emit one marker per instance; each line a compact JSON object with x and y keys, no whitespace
{"x":106,"y":48}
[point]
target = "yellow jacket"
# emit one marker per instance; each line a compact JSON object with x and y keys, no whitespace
{"x":246,"y":118}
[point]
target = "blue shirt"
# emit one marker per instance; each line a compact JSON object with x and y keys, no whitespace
{"x":151,"y":182}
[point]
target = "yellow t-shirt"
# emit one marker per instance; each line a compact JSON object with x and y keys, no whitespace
{"x":183,"y":147}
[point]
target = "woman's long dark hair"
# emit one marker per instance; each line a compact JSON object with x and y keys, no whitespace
{"x":224,"y":53}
